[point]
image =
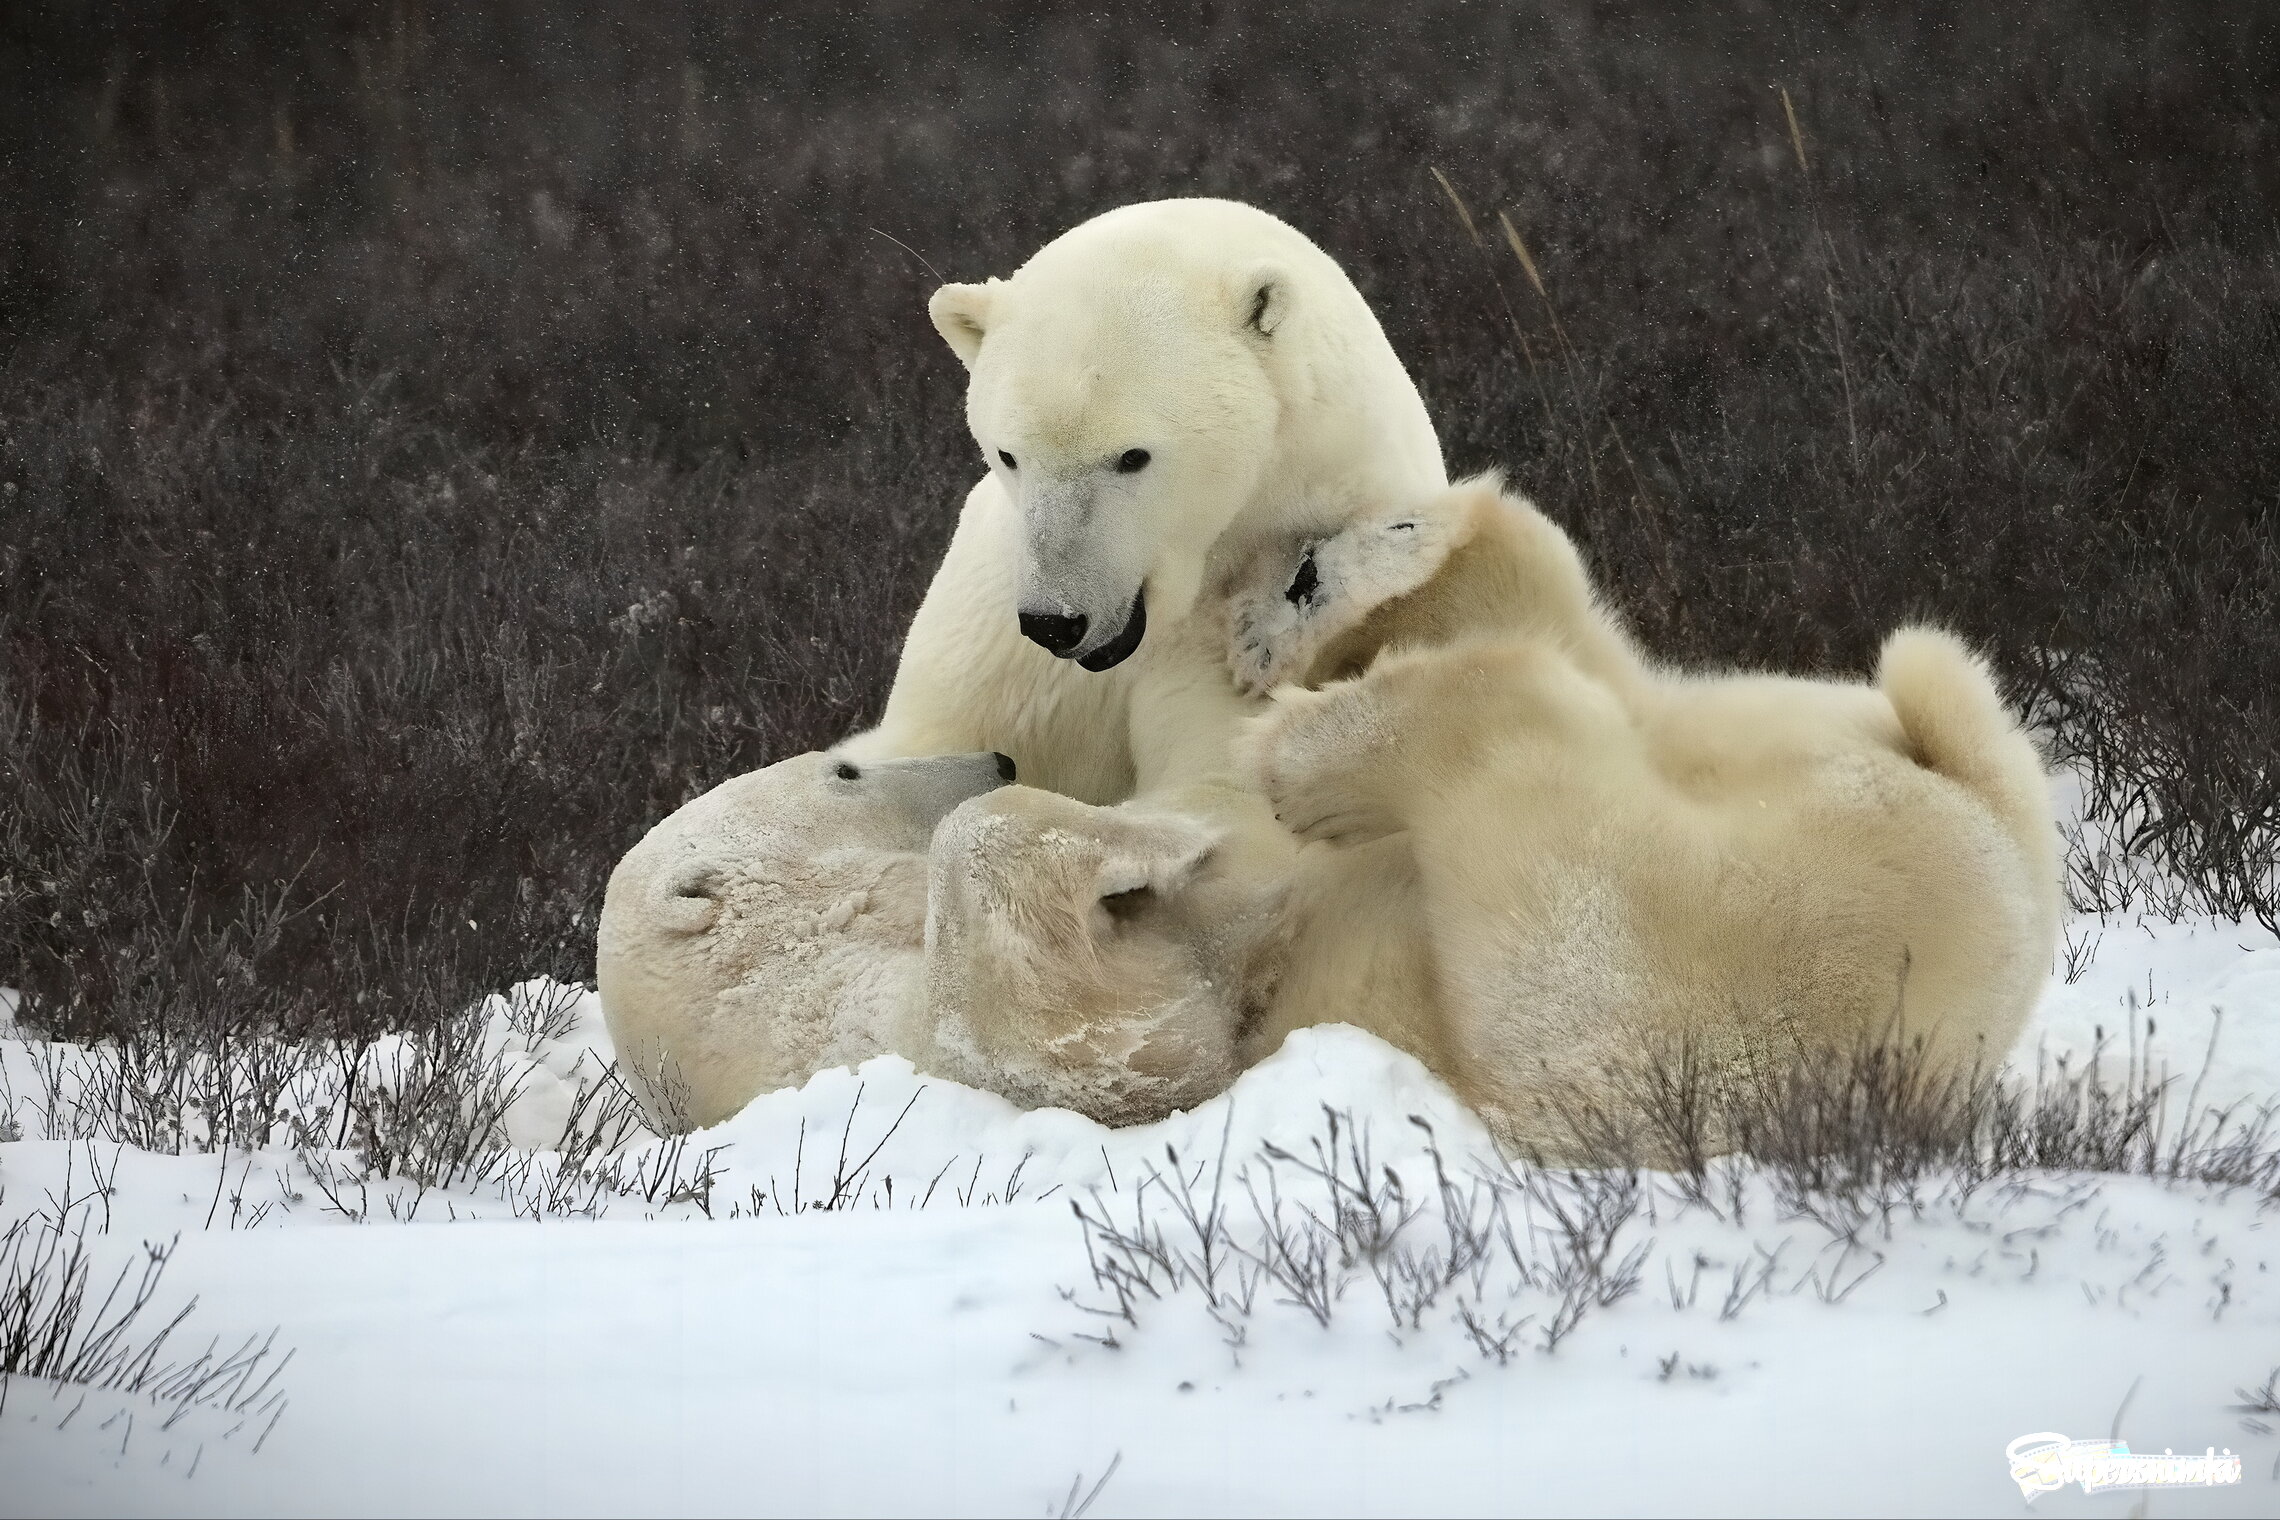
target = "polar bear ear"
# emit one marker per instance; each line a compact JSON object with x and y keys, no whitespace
{"x":686,"y":898}
{"x":961,"y":314}
{"x":1263,"y":298}
{"x":1155,"y":859}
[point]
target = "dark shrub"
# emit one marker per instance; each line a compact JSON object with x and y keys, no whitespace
{"x":437,"y":440}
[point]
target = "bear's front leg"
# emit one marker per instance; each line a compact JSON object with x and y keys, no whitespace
{"x":1421,"y":730}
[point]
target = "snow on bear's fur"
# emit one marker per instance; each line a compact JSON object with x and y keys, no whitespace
{"x":773,"y":927}
{"x":1106,"y":960}
{"x":781,"y":924}
{"x":1535,"y":858}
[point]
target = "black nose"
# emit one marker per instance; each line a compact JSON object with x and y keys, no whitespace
{"x":1059,"y":635}
{"x":1005,"y":765}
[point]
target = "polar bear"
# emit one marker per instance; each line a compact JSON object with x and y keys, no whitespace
{"x":1155,"y":393}
{"x":782,"y":923}
{"x":1606,"y":859}
{"x":773,"y":927}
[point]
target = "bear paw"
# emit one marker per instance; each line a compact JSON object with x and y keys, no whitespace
{"x":1292,"y":604}
{"x":1316,"y":756}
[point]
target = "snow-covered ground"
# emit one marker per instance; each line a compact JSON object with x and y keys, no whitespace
{"x":944,"y":1340}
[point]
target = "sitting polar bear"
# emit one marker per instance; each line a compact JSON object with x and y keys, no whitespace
{"x":1156,"y":393}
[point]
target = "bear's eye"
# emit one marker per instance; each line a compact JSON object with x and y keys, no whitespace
{"x":846,"y":772}
{"x":1131,"y":461}
{"x":1007,"y":460}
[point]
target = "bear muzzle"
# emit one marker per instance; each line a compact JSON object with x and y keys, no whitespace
{"x":1117,"y":650}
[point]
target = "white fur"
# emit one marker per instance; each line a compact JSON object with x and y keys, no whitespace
{"x":1535,"y":857}
{"x":773,"y":927}
{"x":1134,"y":331}
{"x":781,"y":924}
{"x":1605,"y":860}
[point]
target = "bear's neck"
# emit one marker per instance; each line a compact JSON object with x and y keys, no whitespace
{"x":878,"y":1004}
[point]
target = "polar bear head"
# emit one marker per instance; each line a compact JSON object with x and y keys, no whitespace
{"x":1158,"y":376}
{"x":773,"y":927}
{"x":1095,"y":959}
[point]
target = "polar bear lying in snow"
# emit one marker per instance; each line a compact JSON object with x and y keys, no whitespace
{"x":1608,"y":859}
{"x":1532,"y":856}
{"x":782,"y":923}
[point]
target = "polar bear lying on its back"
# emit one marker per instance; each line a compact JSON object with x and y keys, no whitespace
{"x":1608,"y":860}
{"x":781,"y":924}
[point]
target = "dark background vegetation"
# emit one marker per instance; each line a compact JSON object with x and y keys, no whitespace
{"x":436,"y":440}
